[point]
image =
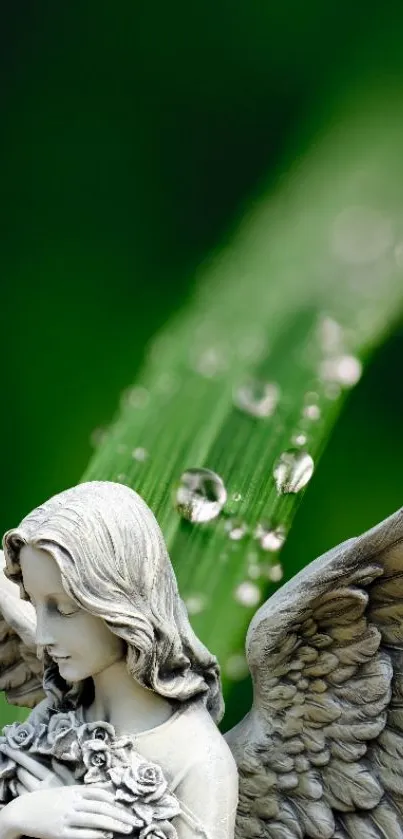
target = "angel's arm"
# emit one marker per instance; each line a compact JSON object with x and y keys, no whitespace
{"x":208,"y":795}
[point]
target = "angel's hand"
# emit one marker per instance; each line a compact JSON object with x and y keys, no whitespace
{"x":33,"y":775}
{"x":76,"y":812}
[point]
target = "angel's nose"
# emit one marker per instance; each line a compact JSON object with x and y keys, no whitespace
{"x":44,"y":635}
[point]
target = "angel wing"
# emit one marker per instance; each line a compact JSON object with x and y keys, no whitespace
{"x":320,"y":754}
{"x":20,"y":669}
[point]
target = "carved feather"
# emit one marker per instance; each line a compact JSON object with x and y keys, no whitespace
{"x":326,"y":725}
{"x":20,"y":669}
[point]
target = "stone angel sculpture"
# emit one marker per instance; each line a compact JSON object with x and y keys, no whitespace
{"x":125,"y":740}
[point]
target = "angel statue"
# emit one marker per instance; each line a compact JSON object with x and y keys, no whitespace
{"x":122,"y":738}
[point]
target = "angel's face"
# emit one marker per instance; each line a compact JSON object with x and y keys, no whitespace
{"x":80,"y":643}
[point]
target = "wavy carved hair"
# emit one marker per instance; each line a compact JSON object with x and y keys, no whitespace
{"x":114,"y":564}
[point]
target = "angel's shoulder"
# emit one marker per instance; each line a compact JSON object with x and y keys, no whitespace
{"x":200,"y":734}
{"x":198,"y":742}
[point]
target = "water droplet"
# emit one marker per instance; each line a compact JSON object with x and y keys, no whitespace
{"x":292,"y":471}
{"x":121,"y":448}
{"x":232,"y":505}
{"x":312,"y":412}
{"x":211,"y":362}
{"x":344,"y":370}
{"x":236,"y":667}
{"x":248,"y":594}
{"x":254,"y":571}
{"x":98,"y":437}
{"x":332,"y":390}
{"x":272,"y":571}
{"x":140,"y":454}
{"x":299,"y":439}
{"x":236,"y":529}
{"x":276,"y":572}
{"x":195,"y":603}
{"x":200,"y":496}
{"x":311,"y":396}
{"x":361,"y":235}
{"x":135,"y":397}
{"x":167,"y":383}
{"x":121,"y":478}
{"x":330,"y":335}
{"x":270,"y":538}
{"x":257,"y":398}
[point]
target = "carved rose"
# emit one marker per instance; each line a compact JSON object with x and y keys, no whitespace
{"x":145,"y":789}
{"x":97,"y":760}
{"x":144,"y":781}
{"x":96,"y":731}
{"x":60,"y":724}
{"x":158,"y":830}
{"x":59,"y":738}
{"x":19,"y":735}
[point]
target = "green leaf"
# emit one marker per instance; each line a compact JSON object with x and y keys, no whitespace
{"x":307,"y":286}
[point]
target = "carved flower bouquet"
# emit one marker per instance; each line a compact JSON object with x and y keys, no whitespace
{"x":95,"y":755}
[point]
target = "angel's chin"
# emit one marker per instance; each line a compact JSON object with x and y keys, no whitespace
{"x":69,"y":670}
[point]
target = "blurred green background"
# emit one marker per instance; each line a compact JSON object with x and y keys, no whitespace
{"x":133,"y":136}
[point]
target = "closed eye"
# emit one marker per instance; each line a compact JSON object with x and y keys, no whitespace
{"x":53,"y":606}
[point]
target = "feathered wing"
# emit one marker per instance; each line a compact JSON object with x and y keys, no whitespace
{"x":20,"y":670}
{"x":320,"y":754}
